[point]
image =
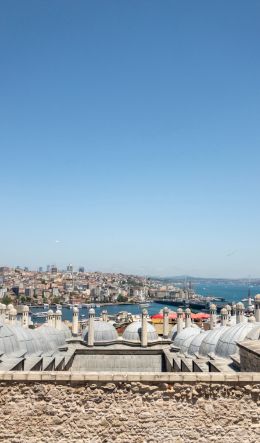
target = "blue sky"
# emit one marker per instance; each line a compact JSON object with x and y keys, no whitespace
{"x":129,"y":132}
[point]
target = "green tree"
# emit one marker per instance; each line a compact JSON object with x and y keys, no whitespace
{"x":6,"y":300}
{"x":122,"y":299}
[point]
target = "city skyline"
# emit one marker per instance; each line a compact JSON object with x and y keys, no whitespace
{"x":129,"y":136}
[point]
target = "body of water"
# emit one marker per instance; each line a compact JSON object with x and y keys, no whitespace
{"x":229,"y":292}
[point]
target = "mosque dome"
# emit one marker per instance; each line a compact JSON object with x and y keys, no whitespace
{"x":240,"y":306}
{"x":210,"y":340}
{"x":174,"y":330}
{"x":133,"y":332}
{"x":226,"y":344}
{"x":184,"y":338}
{"x":103,"y":332}
{"x":257,"y":297}
{"x":27,"y":340}
{"x":8,"y":340}
{"x":54,"y":337}
{"x":196,"y":342}
{"x":254,"y":334}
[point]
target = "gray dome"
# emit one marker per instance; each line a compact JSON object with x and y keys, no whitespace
{"x":254,"y":334}
{"x":103,"y":332}
{"x":184,"y":336}
{"x":54,"y":337}
{"x":8,"y":340}
{"x":27,"y":340}
{"x":133,"y":332}
{"x":226,"y":345}
{"x":210,"y":340}
{"x":174,"y":330}
{"x":196,"y":342}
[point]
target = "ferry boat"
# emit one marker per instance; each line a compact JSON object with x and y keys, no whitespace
{"x":39,"y":314}
{"x":144,"y":305}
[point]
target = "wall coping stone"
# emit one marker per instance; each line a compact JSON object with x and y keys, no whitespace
{"x":151,"y":377}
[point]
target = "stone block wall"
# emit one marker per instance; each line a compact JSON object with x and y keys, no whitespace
{"x":108,"y":408}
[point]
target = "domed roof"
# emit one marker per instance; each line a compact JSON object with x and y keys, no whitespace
{"x":133,"y":332}
{"x":27,"y":340}
{"x":257,"y":297}
{"x":226,"y":345}
{"x":196,"y":342}
{"x":174,"y":330}
{"x":8,"y":340}
{"x":210,"y":340}
{"x":103,"y":332}
{"x":254,"y":334}
{"x":54,"y":337}
{"x":182,"y":339}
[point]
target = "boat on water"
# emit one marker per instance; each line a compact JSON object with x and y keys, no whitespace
{"x":144,"y":305}
{"x":39,"y":314}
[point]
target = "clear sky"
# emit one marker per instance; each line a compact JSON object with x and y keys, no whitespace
{"x":130,"y":136}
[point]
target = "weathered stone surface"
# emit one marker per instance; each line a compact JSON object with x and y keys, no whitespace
{"x":129,"y":412}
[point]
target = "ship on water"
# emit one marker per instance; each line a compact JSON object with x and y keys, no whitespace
{"x":186,"y":297}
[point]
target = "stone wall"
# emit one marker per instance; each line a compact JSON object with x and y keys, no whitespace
{"x":250,"y":355}
{"x":125,"y":408}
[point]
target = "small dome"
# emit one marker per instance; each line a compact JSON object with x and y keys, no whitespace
{"x":13,"y":312}
{"x":196,"y":342}
{"x":213,"y":307}
{"x":240,"y":306}
{"x":50,"y":312}
{"x":184,"y":338}
{"x":133,"y":332}
{"x":58,"y":312}
{"x":166,"y":310}
{"x":91,"y":311}
{"x":227,"y":343}
{"x":228,"y":308}
{"x":8,"y":340}
{"x":75,"y":309}
{"x":53,"y":336}
{"x":254,"y":334}
{"x":257,"y":297}
{"x":210,"y":340}
{"x":179,"y":311}
{"x":103,"y":332}
{"x":223,"y":311}
{"x":10,"y":306}
{"x":25,"y":308}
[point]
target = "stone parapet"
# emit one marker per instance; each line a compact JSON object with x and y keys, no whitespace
{"x":67,"y":407}
{"x":150,"y":377}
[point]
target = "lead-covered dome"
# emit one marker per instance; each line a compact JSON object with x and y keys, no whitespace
{"x":226,"y":344}
{"x":103,"y":332}
{"x":184,"y":338}
{"x":133,"y":332}
{"x":210,"y":340}
{"x":8,"y":340}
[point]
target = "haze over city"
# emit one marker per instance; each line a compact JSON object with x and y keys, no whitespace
{"x":129,"y":136}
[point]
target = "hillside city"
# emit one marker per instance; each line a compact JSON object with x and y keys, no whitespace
{"x":53,"y":286}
